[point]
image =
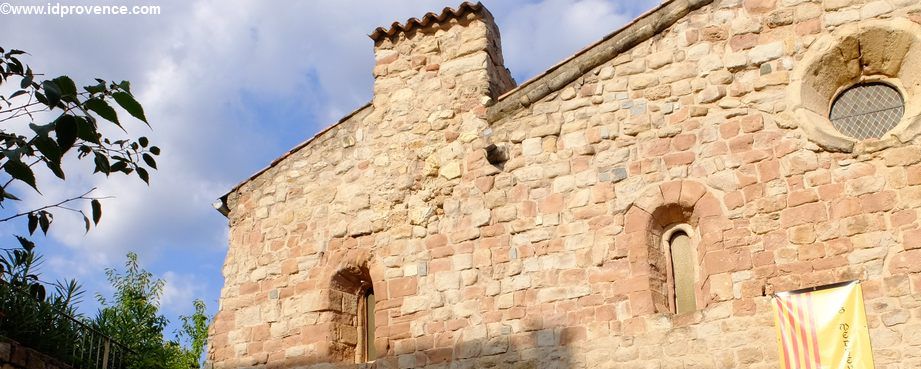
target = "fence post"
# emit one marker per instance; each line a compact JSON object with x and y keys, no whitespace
{"x":105,"y":353}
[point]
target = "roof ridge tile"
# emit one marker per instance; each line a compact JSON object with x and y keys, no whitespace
{"x":447,"y":13}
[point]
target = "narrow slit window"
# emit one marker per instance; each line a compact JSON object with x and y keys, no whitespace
{"x":366,"y":326}
{"x":682,"y":255}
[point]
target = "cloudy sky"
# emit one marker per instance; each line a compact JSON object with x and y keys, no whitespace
{"x":228,"y":86}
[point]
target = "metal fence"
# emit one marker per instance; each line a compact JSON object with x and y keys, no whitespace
{"x":38,"y":325}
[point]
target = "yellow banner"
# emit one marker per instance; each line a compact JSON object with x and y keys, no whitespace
{"x":823,"y":328}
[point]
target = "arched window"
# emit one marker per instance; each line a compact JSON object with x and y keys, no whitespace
{"x":354,"y":292}
{"x":683,"y":272}
{"x":365,"y":317}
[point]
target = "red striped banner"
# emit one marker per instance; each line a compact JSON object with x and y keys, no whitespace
{"x":822,"y":328}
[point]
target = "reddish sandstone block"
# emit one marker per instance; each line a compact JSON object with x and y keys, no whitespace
{"x":903,"y":217}
{"x":641,"y":303}
{"x":729,"y":129}
{"x":692,"y":36}
{"x":743,"y":42}
{"x":681,"y":158}
{"x":708,"y":206}
{"x":800,"y":197}
{"x":248,"y":288}
{"x":399,"y":287}
{"x":807,"y":213}
{"x":570,"y":335}
{"x":831,"y":191}
{"x":906,"y":262}
{"x":551,"y":204}
{"x":671,"y":192}
{"x":914,"y":175}
{"x":721,"y":261}
{"x":684,"y":141}
{"x":880,"y":201}
{"x":768,"y":170}
{"x":911,"y":239}
{"x":713,"y":33}
{"x":484,"y":184}
{"x":637,"y":220}
{"x":439,"y":355}
{"x":808,"y":27}
{"x":734,"y":200}
{"x":759,"y":6}
{"x":744,"y":307}
{"x":752,"y":123}
{"x":691,"y":192}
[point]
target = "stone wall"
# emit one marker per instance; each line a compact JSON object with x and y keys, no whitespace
{"x":16,"y":356}
{"x":551,"y":256}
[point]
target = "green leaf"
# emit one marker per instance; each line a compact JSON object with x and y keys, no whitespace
{"x":26,"y":244}
{"x":37,"y":291}
{"x":21,"y":171}
{"x":67,"y":87}
{"x":143,"y":141}
{"x":48,"y":148}
{"x":42,"y":130}
{"x":127,"y":102}
{"x":119,"y":166}
{"x":66,"y":129}
{"x":155,"y":150}
{"x":33,"y":222}
{"x":26,"y":82}
{"x":86,"y":130}
{"x":44,"y":221}
{"x":18,"y":93}
{"x":125,"y":85}
{"x":7,"y":195}
{"x":149,"y":160}
{"x":102,"y":163}
{"x":86,"y":223}
{"x":103,"y":109}
{"x":56,"y":169}
{"x":52,"y":92}
{"x":97,"y":211}
{"x":41,"y":98}
{"x":142,"y":173}
{"x":97,"y":88}
{"x":14,"y":65}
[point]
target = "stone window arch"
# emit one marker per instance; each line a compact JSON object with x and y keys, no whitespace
{"x":354,"y":327}
{"x":654,"y":220}
{"x":879,"y":54}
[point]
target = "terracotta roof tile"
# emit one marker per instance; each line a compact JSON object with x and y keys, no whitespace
{"x":446,"y":13}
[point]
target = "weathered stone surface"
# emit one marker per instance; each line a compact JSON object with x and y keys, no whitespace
{"x":554,"y":256}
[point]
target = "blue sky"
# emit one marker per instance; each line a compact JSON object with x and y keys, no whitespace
{"x":228,"y":86}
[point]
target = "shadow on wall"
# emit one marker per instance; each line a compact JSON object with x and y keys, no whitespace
{"x":547,"y":348}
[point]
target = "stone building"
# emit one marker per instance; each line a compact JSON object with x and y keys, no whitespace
{"x":634,"y":206}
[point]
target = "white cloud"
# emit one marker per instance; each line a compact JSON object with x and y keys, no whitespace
{"x":538,"y":35}
{"x":179,"y":290}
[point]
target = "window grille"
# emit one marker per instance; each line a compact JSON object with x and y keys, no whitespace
{"x":867,"y":110}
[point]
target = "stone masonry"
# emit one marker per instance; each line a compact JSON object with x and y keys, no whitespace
{"x":521,"y":226}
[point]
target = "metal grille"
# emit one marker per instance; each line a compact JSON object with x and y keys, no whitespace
{"x":867,"y":110}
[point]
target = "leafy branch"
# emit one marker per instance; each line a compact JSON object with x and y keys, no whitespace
{"x":76,"y":128}
{"x":41,"y":217}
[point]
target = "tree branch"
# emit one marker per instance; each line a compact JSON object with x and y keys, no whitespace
{"x":57,"y":205}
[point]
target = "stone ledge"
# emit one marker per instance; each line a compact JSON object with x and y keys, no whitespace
{"x":558,"y":76}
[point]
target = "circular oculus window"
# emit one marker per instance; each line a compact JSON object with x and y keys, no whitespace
{"x":867,"y":110}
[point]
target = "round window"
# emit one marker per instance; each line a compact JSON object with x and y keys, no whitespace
{"x":867,"y":110}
